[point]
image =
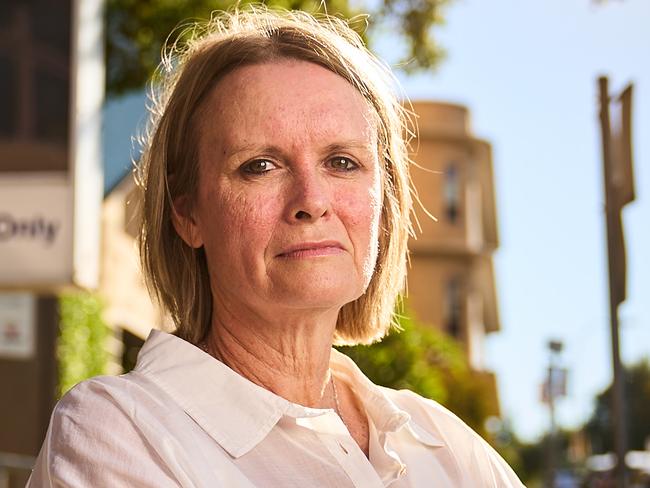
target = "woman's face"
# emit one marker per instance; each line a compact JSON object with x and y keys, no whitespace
{"x":289,"y":192}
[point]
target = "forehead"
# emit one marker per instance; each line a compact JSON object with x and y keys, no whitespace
{"x":289,"y":101}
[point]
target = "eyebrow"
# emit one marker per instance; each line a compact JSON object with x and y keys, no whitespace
{"x":350,"y":144}
{"x":276,"y":151}
{"x":270,"y":150}
{"x":230,"y":152}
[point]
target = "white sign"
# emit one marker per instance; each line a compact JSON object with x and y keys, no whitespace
{"x":50,"y":223}
{"x":35,"y":230}
{"x":17,"y":337}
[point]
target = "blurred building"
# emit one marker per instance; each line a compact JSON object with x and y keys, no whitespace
{"x":51,"y":96}
{"x":451,"y":280}
{"x":129,"y":309}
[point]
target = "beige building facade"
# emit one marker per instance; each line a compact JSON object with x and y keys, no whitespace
{"x":451,"y":282}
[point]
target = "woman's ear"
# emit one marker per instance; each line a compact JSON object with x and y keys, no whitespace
{"x":185,"y":223}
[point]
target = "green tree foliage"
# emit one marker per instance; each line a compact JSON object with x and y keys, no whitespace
{"x":637,"y":396}
{"x":431,"y":363}
{"x":81,"y":347}
{"x":137,"y":29}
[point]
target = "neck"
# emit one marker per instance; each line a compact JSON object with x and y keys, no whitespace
{"x":289,"y":357}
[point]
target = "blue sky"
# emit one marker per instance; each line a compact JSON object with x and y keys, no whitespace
{"x":527,"y":70}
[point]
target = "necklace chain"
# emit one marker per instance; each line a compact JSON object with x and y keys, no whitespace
{"x":336,"y":396}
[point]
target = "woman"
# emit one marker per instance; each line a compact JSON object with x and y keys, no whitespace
{"x":275,"y":221}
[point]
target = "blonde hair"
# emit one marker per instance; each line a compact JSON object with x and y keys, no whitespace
{"x":176,"y":273}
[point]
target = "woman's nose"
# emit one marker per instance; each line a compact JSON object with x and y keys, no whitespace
{"x":309,"y":197}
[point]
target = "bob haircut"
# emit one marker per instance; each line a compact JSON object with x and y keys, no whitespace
{"x":176,"y":274}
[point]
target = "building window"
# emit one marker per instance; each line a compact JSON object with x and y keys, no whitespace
{"x":453,"y":307}
{"x":35,"y":71}
{"x":7,"y":97}
{"x":452,"y":193}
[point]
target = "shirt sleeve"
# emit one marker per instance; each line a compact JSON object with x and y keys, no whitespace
{"x":92,"y":440}
{"x":478,"y":463}
{"x":492,"y":469}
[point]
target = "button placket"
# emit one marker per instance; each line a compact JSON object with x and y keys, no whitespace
{"x":352,"y":460}
{"x":343,"y":448}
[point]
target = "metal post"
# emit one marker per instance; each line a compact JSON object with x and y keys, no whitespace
{"x":553,"y":391}
{"x":551,"y":444}
{"x":611,"y":210}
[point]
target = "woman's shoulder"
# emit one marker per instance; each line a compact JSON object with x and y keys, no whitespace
{"x":105,"y":407}
{"x":96,"y":388}
{"x":469,"y":450}
{"x":100,"y":426}
{"x":429,"y":414}
{"x":108,"y":395}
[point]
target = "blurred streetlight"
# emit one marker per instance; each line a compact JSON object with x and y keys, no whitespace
{"x":553,"y":388}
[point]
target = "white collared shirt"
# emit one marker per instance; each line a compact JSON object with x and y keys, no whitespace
{"x":182,"y":418}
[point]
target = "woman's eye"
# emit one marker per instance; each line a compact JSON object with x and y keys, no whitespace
{"x":258,"y":167}
{"x":341,"y":163}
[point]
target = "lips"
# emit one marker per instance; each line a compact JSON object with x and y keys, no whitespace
{"x":312,"y":249}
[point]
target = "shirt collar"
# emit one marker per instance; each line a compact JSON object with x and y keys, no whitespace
{"x":383,"y":412}
{"x":241,"y":419}
{"x":386,"y":416}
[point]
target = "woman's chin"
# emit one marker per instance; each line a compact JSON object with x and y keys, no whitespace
{"x":317,"y":293}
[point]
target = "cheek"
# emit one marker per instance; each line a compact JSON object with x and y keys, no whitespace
{"x":239,"y":225}
{"x":363,"y":214}
{"x":373,"y":243}
{"x":367,"y":217}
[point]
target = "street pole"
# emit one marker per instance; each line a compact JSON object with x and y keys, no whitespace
{"x":553,"y":391}
{"x":612,"y":214}
{"x":551,"y":444}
